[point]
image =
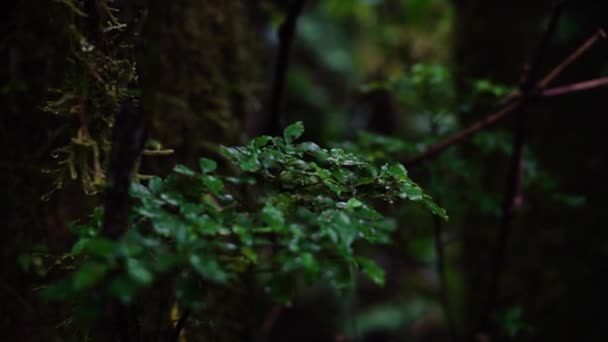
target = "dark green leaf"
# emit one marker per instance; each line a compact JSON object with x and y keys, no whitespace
{"x":207,"y":165}
{"x":372,"y":270}
{"x":139,"y":191}
{"x":293,"y":132}
{"x":208,"y":269}
{"x":138,"y":272}
{"x":273,"y":217}
{"x":88,"y":275}
{"x":184,"y":170}
{"x":261,"y":141}
{"x":213,"y":183}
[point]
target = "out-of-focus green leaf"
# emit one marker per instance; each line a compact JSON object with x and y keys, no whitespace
{"x":293,"y":132}
{"x":372,"y":270}
{"x":207,"y":165}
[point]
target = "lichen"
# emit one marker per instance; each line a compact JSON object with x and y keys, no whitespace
{"x":100,"y":75}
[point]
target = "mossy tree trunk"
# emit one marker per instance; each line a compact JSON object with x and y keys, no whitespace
{"x":196,"y":69}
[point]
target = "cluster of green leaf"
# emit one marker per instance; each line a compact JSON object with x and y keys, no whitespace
{"x":424,"y":87}
{"x":294,"y":214}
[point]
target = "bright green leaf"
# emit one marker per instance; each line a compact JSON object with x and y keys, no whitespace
{"x":207,"y":165}
{"x":372,"y":270}
{"x":293,"y":132}
{"x":138,"y":272}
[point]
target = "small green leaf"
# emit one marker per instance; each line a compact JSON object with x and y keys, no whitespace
{"x":250,"y":254}
{"x":139,"y":191}
{"x":61,"y":290}
{"x":411,"y":191}
{"x":207,"y":165}
{"x":208,"y":268}
{"x":88,"y":275}
{"x":354,"y":203}
{"x":261,"y":141}
{"x":397,"y":170}
{"x":214,"y":184}
{"x":184,"y":170}
{"x":99,"y":247}
{"x":249,"y":163}
{"x":334,"y":187}
{"x":155,"y":184}
{"x":434,"y":208}
{"x":372,"y":270}
{"x":273,"y":217}
{"x":79,"y":246}
{"x":293,"y":132}
{"x":231,"y":153}
{"x":309,"y":263}
{"x":138,"y":272}
{"x":124,"y":288}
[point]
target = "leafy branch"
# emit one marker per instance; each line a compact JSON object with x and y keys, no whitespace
{"x":515,"y":100}
{"x":196,"y":224}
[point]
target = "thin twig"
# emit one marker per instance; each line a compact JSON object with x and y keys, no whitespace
{"x":514,"y":177}
{"x":512,"y":101}
{"x":179,"y":326}
{"x":270,"y":319}
{"x":464,"y":134}
{"x":572,"y":58}
{"x":286,"y":37}
{"x":531,"y":77}
{"x":504,"y":228}
{"x":575,"y":87}
{"x":443,"y":282}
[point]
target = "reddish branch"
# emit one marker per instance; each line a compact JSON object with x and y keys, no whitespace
{"x":270,"y":319}
{"x":514,"y":100}
{"x":464,"y":134}
{"x":574,"y":56}
{"x":576,"y":87}
{"x":528,"y":89}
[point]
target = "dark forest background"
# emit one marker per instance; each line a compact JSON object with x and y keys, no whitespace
{"x":407,"y":73}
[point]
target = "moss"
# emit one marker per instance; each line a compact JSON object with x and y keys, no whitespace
{"x":97,"y":80}
{"x":206,"y":74}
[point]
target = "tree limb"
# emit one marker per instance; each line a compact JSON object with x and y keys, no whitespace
{"x":575,"y":87}
{"x":513,"y":101}
{"x":514,"y":177}
{"x":286,"y":37}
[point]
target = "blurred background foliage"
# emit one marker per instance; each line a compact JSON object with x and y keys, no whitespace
{"x":384,"y":79}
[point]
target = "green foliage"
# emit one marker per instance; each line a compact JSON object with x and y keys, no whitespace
{"x":512,"y":322}
{"x":295,"y":211}
{"x":425,"y":88}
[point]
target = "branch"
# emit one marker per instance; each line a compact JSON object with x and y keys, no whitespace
{"x":286,"y":37}
{"x":574,"y":56}
{"x":514,"y":177}
{"x":512,"y":101}
{"x":530,"y":79}
{"x":443,"y":282}
{"x":119,"y":322}
{"x":575,"y":87}
{"x":127,"y":143}
{"x":271,"y":318}
{"x":179,"y":326}
{"x":464,"y":134}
